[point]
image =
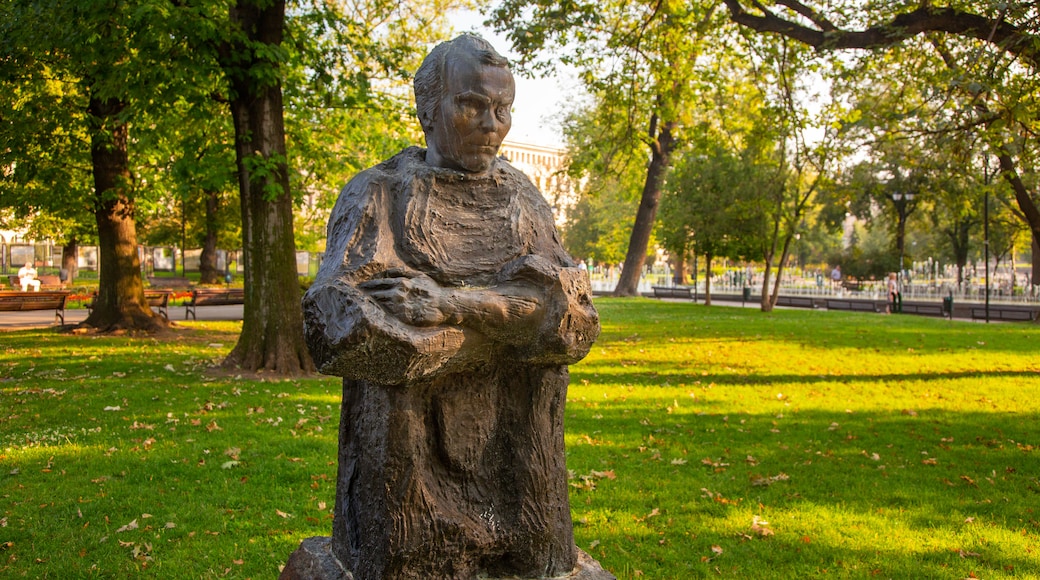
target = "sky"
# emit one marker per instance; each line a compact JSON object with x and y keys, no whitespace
{"x":537,"y":100}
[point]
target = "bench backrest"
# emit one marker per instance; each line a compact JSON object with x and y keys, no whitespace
{"x":12,"y":301}
{"x":157,"y":297}
{"x":218,"y":295}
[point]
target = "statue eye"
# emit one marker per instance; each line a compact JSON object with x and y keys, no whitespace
{"x":502,"y":113}
{"x":469,"y":106}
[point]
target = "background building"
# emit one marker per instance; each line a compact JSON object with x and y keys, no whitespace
{"x":547,"y":169}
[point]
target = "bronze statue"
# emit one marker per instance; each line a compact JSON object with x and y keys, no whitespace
{"x":451,"y":310}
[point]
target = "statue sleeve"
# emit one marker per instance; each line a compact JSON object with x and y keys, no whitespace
{"x":348,"y":334}
{"x":568,"y":324}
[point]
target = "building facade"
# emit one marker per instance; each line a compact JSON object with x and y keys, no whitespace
{"x":546,"y":166}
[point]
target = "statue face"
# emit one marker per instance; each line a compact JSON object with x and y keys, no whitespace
{"x":473,"y":116}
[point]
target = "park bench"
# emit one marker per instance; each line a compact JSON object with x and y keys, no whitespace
{"x":673,"y":292}
{"x":12,"y":301}
{"x":857,"y":305}
{"x":213,"y":297}
{"x":157,"y":299}
{"x":1016,"y":313}
{"x":796,"y":301}
{"x":47,"y":282}
{"x":170,"y":283}
{"x":923,"y":308}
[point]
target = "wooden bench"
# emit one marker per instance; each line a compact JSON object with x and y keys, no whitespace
{"x":923,"y":308}
{"x":170,"y":283}
{"x":673,"y":292}
{"x":857,"y":305}
{"x":796,"y":301}
{"x":1017,"y":313}
{"x":157,"y":299}
{"x":12,"y":301}
{"x":47,"y":282}
{"x":50,"y":282}
{"x":213,"y":297}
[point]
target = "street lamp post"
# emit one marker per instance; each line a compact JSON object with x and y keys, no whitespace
{"x":901,"y":201}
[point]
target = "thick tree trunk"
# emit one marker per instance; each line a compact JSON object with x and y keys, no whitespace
{"x":209,"y":274}
{"x":69,"y":258}
{"x":120,"y":303}
{"x":662,"y":147}
{"x":272,"y":327}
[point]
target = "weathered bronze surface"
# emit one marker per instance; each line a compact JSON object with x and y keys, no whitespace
{"x":451,"y":310}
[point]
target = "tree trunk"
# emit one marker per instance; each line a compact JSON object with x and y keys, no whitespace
{"x":120,"y":303}
{"x":209,"y":274}
{"x":661,"y":149}
{"x":767,"y":273}
{"x":679,"y":269}
{"x":784,"y":255}
{"x":707,"y":279}
{"x":272,"y":327}
{"x":69,"y":258}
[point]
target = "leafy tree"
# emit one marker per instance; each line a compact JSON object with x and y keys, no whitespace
{"x":609,"y":173}
{"x":640,"y":60}
{"x":988,"y":77}
{"x":786,"y":166}
{"x":337,"y":55}
{"x":704,"y":208}
{"x":85,"y":71}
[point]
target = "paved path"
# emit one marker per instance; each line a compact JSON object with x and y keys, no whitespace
{"x":43,"y":318}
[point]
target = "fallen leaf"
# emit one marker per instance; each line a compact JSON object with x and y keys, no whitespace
{"x":767,"y":481}
{"x":282,"y":514}
{"x":716,"y":549}
{"x":131,"y":526}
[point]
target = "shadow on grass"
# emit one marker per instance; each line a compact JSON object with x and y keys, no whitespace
{"x":664,"y":377}
{"x":631,"y":318}
{"x":935,"y":494}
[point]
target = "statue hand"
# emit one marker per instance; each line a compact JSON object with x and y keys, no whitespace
{"x":418,"y":300}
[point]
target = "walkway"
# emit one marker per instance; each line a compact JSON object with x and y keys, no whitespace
{"x":42,"y":318}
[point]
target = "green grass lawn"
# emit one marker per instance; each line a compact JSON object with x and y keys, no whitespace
{"x":703,"y":442}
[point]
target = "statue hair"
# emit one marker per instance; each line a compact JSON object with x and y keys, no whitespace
{"x":428,"y":83}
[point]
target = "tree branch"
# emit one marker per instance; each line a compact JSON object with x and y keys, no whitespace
{"x":998,"y":32}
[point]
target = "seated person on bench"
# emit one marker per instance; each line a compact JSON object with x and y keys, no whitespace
{"x":27,"y":277}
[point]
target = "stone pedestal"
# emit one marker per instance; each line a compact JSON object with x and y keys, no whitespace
{"x":313,"y":560}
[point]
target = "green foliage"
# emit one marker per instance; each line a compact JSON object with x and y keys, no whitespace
{"x":710,"y":203}
{"x":702,"y":441}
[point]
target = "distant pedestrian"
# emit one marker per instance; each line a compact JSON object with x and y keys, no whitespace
{"x":836,"y":277}
{"x":893,"y":292}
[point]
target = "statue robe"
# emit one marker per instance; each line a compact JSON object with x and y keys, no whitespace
{"x":451,"y":455}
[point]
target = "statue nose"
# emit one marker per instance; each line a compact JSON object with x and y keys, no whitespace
{"x":489,"y":122}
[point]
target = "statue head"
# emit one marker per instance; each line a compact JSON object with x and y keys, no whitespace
{"x":464,"y":95}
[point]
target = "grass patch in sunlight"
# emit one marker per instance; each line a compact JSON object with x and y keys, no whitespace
{"x":701,"y":442}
